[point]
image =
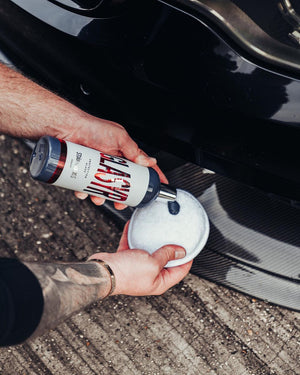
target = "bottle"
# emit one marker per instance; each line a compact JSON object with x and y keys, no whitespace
{"x":79,"y":168}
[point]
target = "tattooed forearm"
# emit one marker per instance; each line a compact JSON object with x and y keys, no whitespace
{"x":67,"y":288}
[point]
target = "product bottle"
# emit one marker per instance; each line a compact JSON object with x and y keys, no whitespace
{"x":80,"y":168}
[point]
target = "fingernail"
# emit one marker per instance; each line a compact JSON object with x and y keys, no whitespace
{"x":145,"y":160}
{"x":153,"y":160}
{"x":120,"y":207}
{"x":98,"y":201}
{"x":179,"y":254}
{"x":81,"y":195}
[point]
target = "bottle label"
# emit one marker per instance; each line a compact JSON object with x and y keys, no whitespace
{"x":110,"y":177}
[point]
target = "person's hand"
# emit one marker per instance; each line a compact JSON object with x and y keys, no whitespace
{"x":138,"y":273}
{"x":30,"y":111}
{"x":112,"y":139}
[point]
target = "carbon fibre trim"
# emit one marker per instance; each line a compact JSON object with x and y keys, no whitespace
{"x":252,"y":281}
{"x":247,"y":225}
{"x":254,"y":243}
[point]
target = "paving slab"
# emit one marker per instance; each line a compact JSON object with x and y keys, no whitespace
{"x":197,"y":327}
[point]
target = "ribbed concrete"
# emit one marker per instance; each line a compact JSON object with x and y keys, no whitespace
{"x":196,"y":328}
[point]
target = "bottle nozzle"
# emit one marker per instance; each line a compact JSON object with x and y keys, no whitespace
{"x":167,"y":192}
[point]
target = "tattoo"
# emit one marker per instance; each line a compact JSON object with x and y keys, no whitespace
{"x":67,"y":288}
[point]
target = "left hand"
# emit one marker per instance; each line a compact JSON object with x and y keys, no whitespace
{"x":138,"y":273}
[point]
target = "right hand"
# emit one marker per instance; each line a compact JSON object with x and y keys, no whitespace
{"x":138,"y":273}
{"x":30,"y":111}
{"x":113,"y":139}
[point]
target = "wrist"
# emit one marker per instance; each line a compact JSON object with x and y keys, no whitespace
{"x":110,"y":260}
{"x":110,"y":273}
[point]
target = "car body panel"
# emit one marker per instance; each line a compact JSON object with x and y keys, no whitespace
{"x":187,"y":75}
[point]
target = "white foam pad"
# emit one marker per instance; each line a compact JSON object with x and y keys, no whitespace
{"x":152,"y":227}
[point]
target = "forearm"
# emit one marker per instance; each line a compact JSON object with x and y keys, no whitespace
{"x":28,"y":110}
{"x":67,"y":288}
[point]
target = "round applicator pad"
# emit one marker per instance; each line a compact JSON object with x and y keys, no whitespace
{"x":153,"y":226}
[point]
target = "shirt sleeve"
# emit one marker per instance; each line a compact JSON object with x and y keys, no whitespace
{"x":21,"y":302}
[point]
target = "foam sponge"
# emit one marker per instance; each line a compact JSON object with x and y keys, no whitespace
{"x":153,"y":226}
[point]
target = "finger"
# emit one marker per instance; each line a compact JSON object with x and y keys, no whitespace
{"x":143,"y":159}
{"x":123,"y":244}
{"x":80,"y":195}
{"x":98,"y":201}
{"x":171,"y":276}
{"x":132,"y":152}
{"x":120,"y":206}
{"x":167,"y":253}
{"x":140,"y":157}
{"x":129,"y":148}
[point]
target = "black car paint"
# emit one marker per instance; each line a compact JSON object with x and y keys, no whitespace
{"x":214,"y":107}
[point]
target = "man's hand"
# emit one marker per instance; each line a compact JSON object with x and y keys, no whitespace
{"x":110,"y":138}
{"x":138,"y":273}
{"x":30,"y":111}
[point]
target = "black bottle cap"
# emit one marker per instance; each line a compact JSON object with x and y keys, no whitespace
{"x":46,"y":159}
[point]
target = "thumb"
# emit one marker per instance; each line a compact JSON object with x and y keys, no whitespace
{"x":167,"y":253}
{"x":132,"y":152}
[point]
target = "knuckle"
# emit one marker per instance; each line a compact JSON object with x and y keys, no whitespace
{"x":169,"y":251}
{"x":123,"y":132}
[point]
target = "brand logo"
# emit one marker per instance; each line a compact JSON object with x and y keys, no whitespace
{"x":110,"y":181}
